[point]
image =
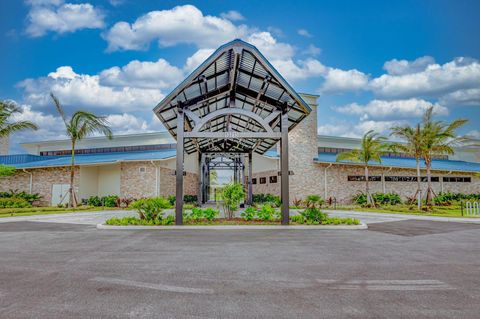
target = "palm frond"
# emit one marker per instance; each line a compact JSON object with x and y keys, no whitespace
{"x":9,"y":128}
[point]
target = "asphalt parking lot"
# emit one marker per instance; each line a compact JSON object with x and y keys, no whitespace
{"x":396,"y":269}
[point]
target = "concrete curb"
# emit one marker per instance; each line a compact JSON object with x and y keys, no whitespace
{"x":362,"y":226}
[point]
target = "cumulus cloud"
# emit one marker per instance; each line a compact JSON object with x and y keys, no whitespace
{"x":337,"y":80}
{"x":55,"y":16}
{"x":380,"y":109}
{"x":357,"y":130}
{"x":196,"y":59}
{"x":150,"y":75}
{"x":402,"y":67}
{"x":312,"y":50}
{"x":182,"y":24}
{"x":86,"y":91}
{"x":462,"y":97}
{"x":270,"y":47}
{"x":232,"y":15}
{"x":435,"y":80}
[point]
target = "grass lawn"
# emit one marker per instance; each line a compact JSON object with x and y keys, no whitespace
{"x":443,"y":211}
{"x":30,"y":211}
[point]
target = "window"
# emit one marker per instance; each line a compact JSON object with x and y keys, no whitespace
{"x":359,"y":178}
{"x":254,"y":181}
{"x":142,"y":169}
{"x":263,"y":180}
{"x":273,"y":179}
{"x":457,"y":179}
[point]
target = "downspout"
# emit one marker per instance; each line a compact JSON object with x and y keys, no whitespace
{"x":157,"y":179}
{"x":30,"y":187}
{"x":325,"y":180}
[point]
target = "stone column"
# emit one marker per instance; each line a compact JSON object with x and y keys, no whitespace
{"x":4,"y":145}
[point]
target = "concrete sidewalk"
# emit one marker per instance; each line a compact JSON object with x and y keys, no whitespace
{"x":370,"y":217}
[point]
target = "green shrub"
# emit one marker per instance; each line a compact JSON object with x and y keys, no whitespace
{"x":151,"y":208}
{"x":387,"y":198}
{"x":297,"y":219}
{"x":249,"y":213}
{"x":23,"y":195}
{"x":190,"y":199}
{"x":313,"y":201}
{"x":378,"y":198}
{"x":125,"y":221}
{"x":94,"y":201}
{"x":273,"y":200}
{"x":232,"y":195}
{"x":172,"y":199}
{"x":200,"y":214}
{"x":110,"y":201}
{"x":267,"y":213}
{"x":14,"y":202}
{"x":313,"y":215}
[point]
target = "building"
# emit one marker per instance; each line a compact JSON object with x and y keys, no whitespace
{"x":234,"y":99}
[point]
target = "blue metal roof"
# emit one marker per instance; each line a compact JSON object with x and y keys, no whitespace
{"x":34,"y":161}
{"x":440,"y":165}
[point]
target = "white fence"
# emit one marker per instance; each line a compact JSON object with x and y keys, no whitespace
{"x":472,"y":209}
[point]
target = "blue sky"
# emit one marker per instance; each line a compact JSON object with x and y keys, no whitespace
{"x":374,"y":63}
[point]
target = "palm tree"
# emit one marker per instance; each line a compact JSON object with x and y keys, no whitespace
{"x":412,"y":136}
{"x":79,"y":126}
{"x":438,"y":138}
{"x":371,"y":149}
{"x":7,"y":127}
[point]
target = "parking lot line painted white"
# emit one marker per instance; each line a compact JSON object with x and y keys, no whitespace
{"x":138,"y":284}
{"x":386,"y":285}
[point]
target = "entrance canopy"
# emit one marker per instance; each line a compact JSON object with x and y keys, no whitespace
{"x":232,"y":103}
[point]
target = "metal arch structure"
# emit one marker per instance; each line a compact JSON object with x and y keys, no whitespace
{"x":234,"y":102}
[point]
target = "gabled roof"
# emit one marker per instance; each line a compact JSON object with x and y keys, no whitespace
{"x":235,"y":71}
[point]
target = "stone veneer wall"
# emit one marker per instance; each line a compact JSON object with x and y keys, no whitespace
{"x":43,"y":179}
{"x":303,"y":148}
{"x":167,"y":186}
{"x":4,"y":145}
{"x":134,"y":184}
{"x":268,"y":188}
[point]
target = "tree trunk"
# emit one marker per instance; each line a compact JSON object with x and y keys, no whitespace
{"x":72,"y":202}
{"x":429,"y":183}
{"x":367,"y":188}
{"x":419,"y":182}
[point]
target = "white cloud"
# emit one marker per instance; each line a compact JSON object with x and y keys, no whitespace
{"x":299,"y":70}
{"x":401,"y":67}
{"x":436,"y":80}
{"x":59,"y":17}
{"x":270,"y":47}
{"x":182,"y":24}
{"x":380,"y":109}
{"x":232,"y":15}
{"x":462,"y":97}
{"x":312,"y":50}
{"x":337,"y":80}
{"x":150,"y":75}
{"x":357,"y":130}
{"x":196,"y":59}
{"x":304,"y":33}
{"x":86,"y":91}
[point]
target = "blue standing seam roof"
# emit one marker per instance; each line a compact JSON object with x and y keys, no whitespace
{"x":86,"y":159}
{"x":443,"y":165}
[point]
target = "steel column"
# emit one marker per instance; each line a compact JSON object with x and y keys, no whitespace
{"x":179,"y":171}
{"x":200,"y":178}
{"x":250,"y":175}
{"x":284,"y":169}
